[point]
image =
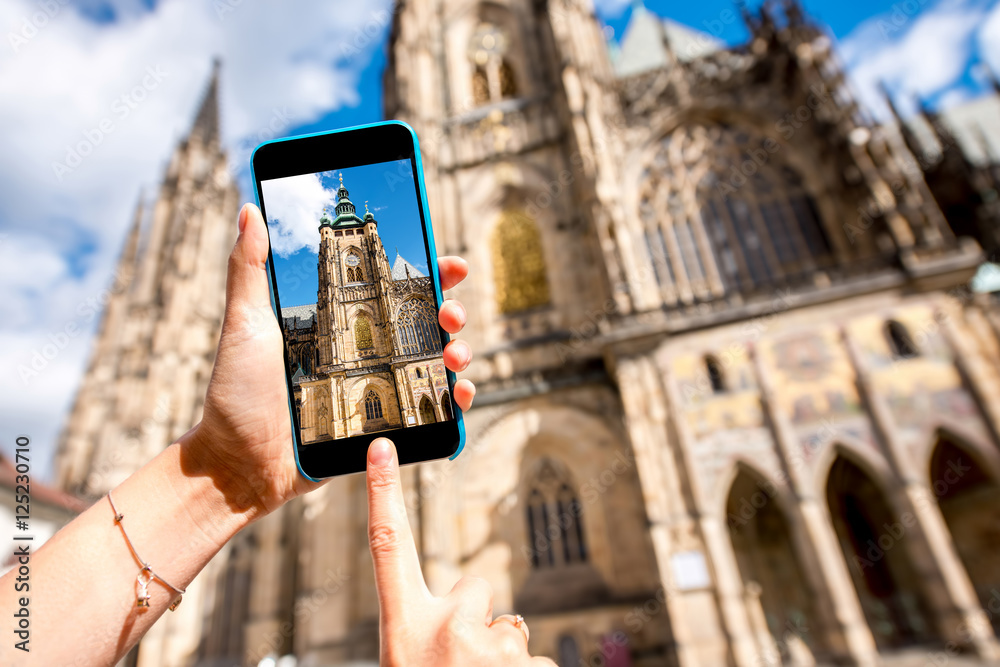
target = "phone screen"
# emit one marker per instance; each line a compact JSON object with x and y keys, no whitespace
{"x":358,"y":307}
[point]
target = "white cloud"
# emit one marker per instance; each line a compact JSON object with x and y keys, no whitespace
{"x":989,"y":39}
{"x":64,"y":78}
{"x":611,"y":8}
{"x":294,"y":206}
{"x":954,"y":97}
{"x":913,"y":52}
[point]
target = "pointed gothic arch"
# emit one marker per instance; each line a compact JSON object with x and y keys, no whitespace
{"x":875,"y":544}
{"x":446,"y":406}
{"x":772,"y":571}
{"x":373,"y":406}
{"x":426,"y":410}
{"x":519,"y":273}
{"x":968,"y":495}
{"x":554,"y":517}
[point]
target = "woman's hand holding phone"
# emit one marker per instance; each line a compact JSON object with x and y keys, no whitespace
{"x":244,"y":439}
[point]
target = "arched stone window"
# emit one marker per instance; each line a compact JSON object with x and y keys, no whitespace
{"x":373,"y":405}
{"x":363,"y":333}
{"x":493,"y":76}
{"x":518,"y":264}
{"x":554,"y":517}
{"x":900,"y":343}
{"x":416,"y":321}
{"x":715,"y":375}
{"x":427,"y":411}
{"x":446,"y":405}
{"x":722,"y":212}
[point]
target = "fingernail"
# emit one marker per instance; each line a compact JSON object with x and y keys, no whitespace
{"x":242,"y":223}
{"x":380,"y":452}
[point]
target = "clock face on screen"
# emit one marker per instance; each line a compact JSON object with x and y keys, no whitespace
{"x":353,"y":260}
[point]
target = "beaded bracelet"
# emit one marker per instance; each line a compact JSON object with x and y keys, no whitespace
{"x":146,"y":573}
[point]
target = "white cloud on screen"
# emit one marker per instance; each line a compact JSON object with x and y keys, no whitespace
{"x":294,"y":206}
{"x":284,"y":64}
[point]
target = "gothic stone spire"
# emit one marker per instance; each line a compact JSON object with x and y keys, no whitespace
{"x":206,"y":123}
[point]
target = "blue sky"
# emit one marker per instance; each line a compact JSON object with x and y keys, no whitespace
{"x":387,"y":187}
{"x":288,"y":67}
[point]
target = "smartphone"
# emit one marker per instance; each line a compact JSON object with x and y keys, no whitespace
{"x":355,"y":287}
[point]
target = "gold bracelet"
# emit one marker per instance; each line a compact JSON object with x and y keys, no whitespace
{"x":146,"y":573}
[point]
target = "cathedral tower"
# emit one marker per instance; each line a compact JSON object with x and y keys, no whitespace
{"x":503,"y":97}
{"x":152,"y":358}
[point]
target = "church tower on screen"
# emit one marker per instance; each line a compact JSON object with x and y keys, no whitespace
{"x":367,"y":355}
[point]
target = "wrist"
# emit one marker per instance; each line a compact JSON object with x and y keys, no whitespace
{"x":218,"y":500}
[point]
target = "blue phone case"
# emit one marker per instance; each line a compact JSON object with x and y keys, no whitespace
{"x":433,"y":266}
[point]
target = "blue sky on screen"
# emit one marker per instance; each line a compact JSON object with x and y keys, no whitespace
{"x":295,"y":204}
{"x":288,"y":67}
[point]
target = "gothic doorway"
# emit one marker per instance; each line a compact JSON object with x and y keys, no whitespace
{"x":970,"y":503}
{"x":426,"y":411}
{"x":873,"y":539}
{"x":777,"y":594}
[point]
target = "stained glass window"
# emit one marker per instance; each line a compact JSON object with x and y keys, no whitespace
{"x":718,"y":201}
{"x":518,"y":264}
{"x":373,"y":405}
{"x":363,"y":334}
{"x":416,"y":322}
{"x":554,"y":518}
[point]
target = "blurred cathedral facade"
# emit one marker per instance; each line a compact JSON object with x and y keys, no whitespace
{"x":737,"y":404}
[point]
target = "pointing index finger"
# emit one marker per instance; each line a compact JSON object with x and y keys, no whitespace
{"x":398,"y":577}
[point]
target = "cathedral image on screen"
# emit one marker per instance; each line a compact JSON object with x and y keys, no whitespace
{"x":366,"y":354}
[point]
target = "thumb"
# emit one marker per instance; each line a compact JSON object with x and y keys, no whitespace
{"x":248,"y":299}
